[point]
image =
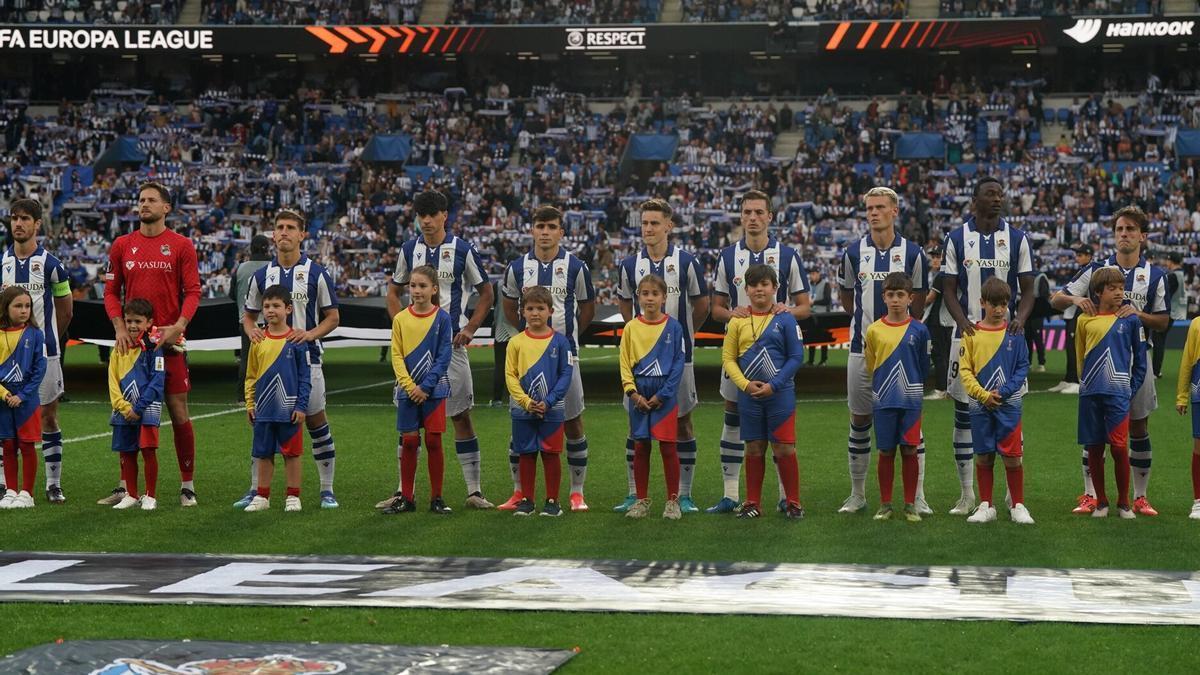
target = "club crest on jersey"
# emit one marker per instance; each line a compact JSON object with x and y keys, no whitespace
{"x":446,"y":254}
{"x":300,"y":276}
{"x":1141,"y":276}
{"x":35,"y":266}
{"x":1121,"y":328}
{"x":165,"y":249}
{"x":896,"y":258}
{"x":560,"y":272}
{"x":771,"y":260}
{"x":1000,"y":243}
{"x":670,"y":268}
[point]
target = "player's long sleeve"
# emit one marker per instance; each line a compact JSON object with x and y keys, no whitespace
{"x":675,"y":372}
{"x":729,"y":356}
{"x":33,"y":379}
{"x":1187,"y":364}
{"x":923,"y":364}
{"x":563,"y":382}
{"x":968,"y":371}
{"x":154,"y":388}
{"x":1080,"y":350}
{"x":795,"y":356}
{"x":398,"y":366}
{"x":119,"y":404}
{"x":441,"y":359}
{"x":303,"y":379}
{"x":189,"y":282}
{"x":512,"y":377}
{"x":1020,"y":370}
{"x":627,"y":360}
{"x":253,"y":370}
{"x":114,"y":279}
{"x":1137,"y":370}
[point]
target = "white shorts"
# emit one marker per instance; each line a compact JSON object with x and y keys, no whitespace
{"x":686,"y":395}
{"x":956,"y":389}
{"x":462,"y":386}
{"x":573,"y":404}
{"x":316,"y":397}
{"x":860,"y":398}
{"x":1145,"y":400}
{"x":729,"y":390}
{"x":51,"y":387}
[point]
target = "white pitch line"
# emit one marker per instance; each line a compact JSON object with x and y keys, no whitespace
{"x":228,"y":411}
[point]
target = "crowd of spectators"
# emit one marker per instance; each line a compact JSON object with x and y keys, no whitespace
{"x":791,"y":10}
{"x":1007,"y":8}
{"x":553,"y":11}
{"x":91,"y":11}
{"x":289,"y":12}
{"x":233,"y":159}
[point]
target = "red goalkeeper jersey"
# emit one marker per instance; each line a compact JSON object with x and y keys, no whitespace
{"x":161,"y":269}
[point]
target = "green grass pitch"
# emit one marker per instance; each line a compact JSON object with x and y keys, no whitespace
{"x":362,"y":421}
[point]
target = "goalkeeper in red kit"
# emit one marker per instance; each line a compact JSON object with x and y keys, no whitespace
{"x":158,"y":264}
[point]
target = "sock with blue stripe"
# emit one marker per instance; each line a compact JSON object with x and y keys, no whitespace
{"x":577,"y":461}
{"x":323,"y":453}
{"x":964,"y":451}
{"x":733,"y":452}
{"x":687,"y":466}
{"x":1139,"y":461}
{"x":52,"y":449}
{"x":858,"y":446}
{"x":467,"y":450}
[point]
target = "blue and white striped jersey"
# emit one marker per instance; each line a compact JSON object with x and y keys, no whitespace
{"x":43,"y":275}
{"x":732,"y":264}
{"x":460,"y":272}
{"x":311,"y":289}
{"x":1145,"y":284}
{"x":685,"y":284}
{"x":568,"y":279}
{"x":864,"y":268}
{"x":973,"y":258}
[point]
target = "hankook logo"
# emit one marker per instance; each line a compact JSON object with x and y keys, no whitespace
{"x":1086,"y":30}
{"x":589,"y":39}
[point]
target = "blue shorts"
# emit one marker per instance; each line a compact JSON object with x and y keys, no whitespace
{"x":997,"y":430}
{"x":895,"y":427}
{"x":1196,"y":420}
{"x":134,"y":437}
{"x":23,"y":422}
{"x":772,"y":419}
{"x":272,"y":437}
{"x":661,"y":424}
{"x":534,"y":435}
{"x":1104,"y":419}
{"x":430,"y":416}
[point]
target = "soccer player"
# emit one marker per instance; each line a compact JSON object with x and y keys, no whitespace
{"x":985,"y":246}
{"x":28,"y":265}
{"x":22,"y":364}
{"x":1188,"y":392}
{"x":314,"y":315}
{"x":460,"y":273}
{"x":993,"y":368}
{"x":136,"y":378}
{"x":1070,"y":381}
{"x":421,"y":337}
{"x":1145,"y":297}
{"x":730,"y":301}
{"x":687,"y":302}
{"x":538,"y":373}
{"x":865,"y":265}
{"x":896,"y":358}
{"x":570,"y":283}
{"x":159,"y":264}
{"x":652,"y":356}
{"x":1112,"y":367}
{"x":278,"y":384}
{"x":761,"y":354}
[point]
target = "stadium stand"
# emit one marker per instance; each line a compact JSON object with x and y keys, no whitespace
{"x":282,"y":12}
{"x":554,"y":12}
{"x":1002,"y":8}
{"x":784,"y":10}
{"x":91,"y":11}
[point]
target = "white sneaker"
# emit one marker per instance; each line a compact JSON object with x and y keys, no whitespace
{"x":1071,"y":389}
{"x":1100,"y":512}
{"x":1059,"y":387}
{"x":984,"y":514}
{"x":935,"y":395}
{"x":24,"y":500}
{"x":1020,"y":515}
{"x":853,"y":504}
{"x":1125,"y":512}
{"x":259,"y":503}
{"x":923,"y":508}
{"x":149,"y":503}
{"x":964,"y":506}
{"x":1195,"y":514}
{"x":1040,"y":369}
{"x":6,"y":502}
{"x":187,"y":498}
{"x":291,"y":504}
{"x":127,"y":502}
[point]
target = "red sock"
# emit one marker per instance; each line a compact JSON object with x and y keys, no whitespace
{"x":293,"y":492}
{"x":29,"y":466}
{"x":264,"y":491}
{"x":1096,"y":467}
{"x":789,"y":472}
{"x":985,"y":476}
{"x":1121,"y":468}
{"x":185,"y":449}
{"x":670,"y":460}
{"x":1195,"y":476}
{"x":886,"y":468}
{"x":150,"y":458}
{"x":409,"y":452}
{"x":755,"y":468}
{"x":437,"y":463}
{"x":129,"y":473}
{"x":528,"y":473}
{"x":641,"y":468}
{"x":910,"y":468}
{"x":552,"y":467}
{"x":1016,"y":483}
{"x":10,"y":463}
